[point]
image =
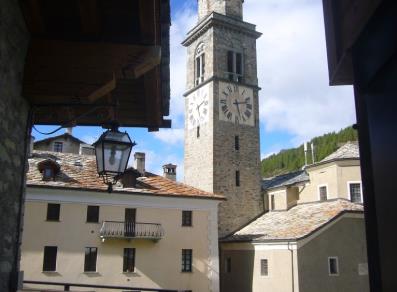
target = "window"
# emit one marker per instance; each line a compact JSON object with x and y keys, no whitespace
{"x":235,"y":66}
{"x":187,"y":218}
{"x":198,"y":131}
{"x":333,"y":266}
{"x":92,"y":214}
{"x":323,"y":193}
{"x":90,"y":259}
{"x":355,"y":192}
{"x":237,"y":178}
{"x":53,"y":211}
{"x":236,"y":143}
{"x":50,"y":259}
{"x":129,"y":260}
{"x":228,"y":265}
{"x":48,"y":173}
{"x":264,"y":267}
{"x":200,"y":64}
{"x":58,"y":146}
{"x":187,"y":260}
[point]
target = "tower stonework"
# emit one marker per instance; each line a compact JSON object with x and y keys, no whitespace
{"x":222,"y":111}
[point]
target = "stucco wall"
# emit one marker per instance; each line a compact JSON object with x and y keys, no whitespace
{"x":245,"y":275}
{"x":158,"y":265}
{"x":69,"y":145}
{"x":335,"y":176}
{"x":346,"y":240}
{"x":13,"y":133}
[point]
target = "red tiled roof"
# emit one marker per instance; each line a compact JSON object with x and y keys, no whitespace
{"x":80,"y":172}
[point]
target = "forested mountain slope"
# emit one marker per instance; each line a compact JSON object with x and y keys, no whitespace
{"x":294,"y":159}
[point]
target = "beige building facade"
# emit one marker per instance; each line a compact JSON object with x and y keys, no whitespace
{"x":158,"y":234}
{"x":311,"y":239}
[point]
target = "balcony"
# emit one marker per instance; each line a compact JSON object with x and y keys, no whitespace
{"x":131,"y":230}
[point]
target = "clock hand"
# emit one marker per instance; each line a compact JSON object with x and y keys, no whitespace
{"x":238,"y":108}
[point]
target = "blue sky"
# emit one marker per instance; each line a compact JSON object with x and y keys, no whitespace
{"x":296,"y":102}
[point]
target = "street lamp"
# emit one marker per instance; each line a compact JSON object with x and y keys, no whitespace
{"x":112,"y":151}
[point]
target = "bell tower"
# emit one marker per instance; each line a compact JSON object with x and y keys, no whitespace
{"x":221,"y":111}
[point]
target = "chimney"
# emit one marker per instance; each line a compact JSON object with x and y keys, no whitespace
{"x":139,"y":162}
{"x":170,"y":171}
{"x":69,"y":131}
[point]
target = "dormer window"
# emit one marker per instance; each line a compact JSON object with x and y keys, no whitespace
{"x":58,"y":146}
{"x":48,"y":173}
{"x":49,"y":169}
{"x":199,"y":64}
{"x":235,"y":66}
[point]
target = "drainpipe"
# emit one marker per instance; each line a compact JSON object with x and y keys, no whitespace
{"x":292,"y":266}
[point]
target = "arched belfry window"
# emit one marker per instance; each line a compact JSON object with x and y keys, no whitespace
{"x":199,"y":64}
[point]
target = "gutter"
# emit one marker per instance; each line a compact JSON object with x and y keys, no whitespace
{"x":292,"y":267}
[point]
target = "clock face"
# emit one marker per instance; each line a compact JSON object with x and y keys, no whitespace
{"x":198,"y":107}
{"x":236,"y":104}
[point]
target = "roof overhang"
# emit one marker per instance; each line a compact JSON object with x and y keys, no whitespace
{"x":93,"y":62}
{"x":344,"y":21}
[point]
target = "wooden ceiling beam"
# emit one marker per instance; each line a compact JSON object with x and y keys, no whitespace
{"x":32,"y":12}
{"x":89,"y":17}
{"x":153,"y":97}
{"x":148,"y":21}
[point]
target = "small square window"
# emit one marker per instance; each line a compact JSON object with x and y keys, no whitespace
{"x":333,"y":266}
{"x":50,"y":258}
{"x":90,"y":259}
{"x":53,"y":211}
{"x":187,"y":218}
{"x":264,"y":267}
{"x":323,"y":193}
{"x":92,"y":214}
{"x":187,"y":258}
{"x":58,"y":146}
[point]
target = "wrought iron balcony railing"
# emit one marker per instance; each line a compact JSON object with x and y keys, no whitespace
{"x":131,"y":230}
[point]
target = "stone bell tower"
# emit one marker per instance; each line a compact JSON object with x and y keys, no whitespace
{"x":221,"y":111}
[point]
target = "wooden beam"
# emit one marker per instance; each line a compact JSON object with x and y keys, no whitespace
{"x":32,"y":12}
{"x":147,"y":61}
{"x":153,"y":98}
{"x":148,"y":21}
{"x":89,"y":17}
{"x":126,"y":61}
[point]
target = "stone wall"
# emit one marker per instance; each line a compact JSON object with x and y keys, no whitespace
{"x":211,"y":161}
{"x":233,"y":8}
{"x":13,"y":132}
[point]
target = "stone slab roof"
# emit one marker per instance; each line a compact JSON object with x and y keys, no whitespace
{"x":296,"y":223}
{"x":79,"y":172}
{"x":285,"y":180}
{"x":347,"y":151}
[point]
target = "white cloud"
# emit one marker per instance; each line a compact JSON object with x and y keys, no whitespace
{"x":183,"y":21}
{"x":292,"y":69}
{"x":170,"y":136}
